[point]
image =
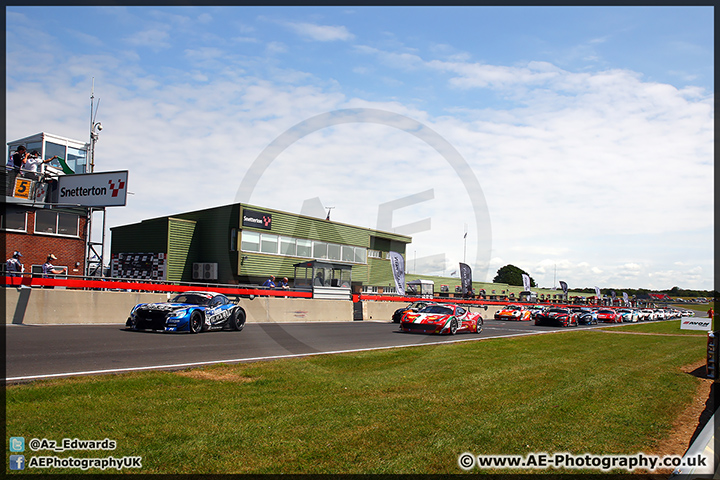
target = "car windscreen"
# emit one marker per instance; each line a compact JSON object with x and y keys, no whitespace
{"x":557,"y":310}
{"x":191,"y":299}
{"x":437,"y":309}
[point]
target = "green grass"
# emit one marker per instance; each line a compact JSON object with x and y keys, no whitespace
{"x":410,"y":410}
{"x":670,"y":327}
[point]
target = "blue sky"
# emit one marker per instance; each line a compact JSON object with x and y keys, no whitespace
{"x":589,"y":129}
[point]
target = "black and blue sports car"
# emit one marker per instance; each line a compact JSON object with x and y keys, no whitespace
{"x":192,"y":312}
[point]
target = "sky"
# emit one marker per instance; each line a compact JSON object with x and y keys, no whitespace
{"x":575,"y":143}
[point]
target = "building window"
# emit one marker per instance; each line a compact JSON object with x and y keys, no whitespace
{"x":13,"y":219}
{"x":320,"y":250}
{"x":304,"y":248}
{"x":360,"y":255}
{"x":268,"y":243}
{"x":233,"y":239}
{"x":56,"y":223}
{"x":250,"y":241}
{"x":333,"y":251}
{"x":287,"y":246}
{"x":348,"y":253}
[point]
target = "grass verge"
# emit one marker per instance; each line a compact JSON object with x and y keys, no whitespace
{"x":410,"y":410}
{"x":668,"y":327}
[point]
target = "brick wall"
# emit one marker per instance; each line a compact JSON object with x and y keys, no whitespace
{"x":36,"y":247}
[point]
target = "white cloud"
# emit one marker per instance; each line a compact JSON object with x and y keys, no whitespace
{"x":320,"y":33}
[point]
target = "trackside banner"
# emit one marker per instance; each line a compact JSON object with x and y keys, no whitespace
{"x":107,"y":189}
{"x":397,"y":263}
{"x":465,"y":278}
{"x":696,"y":324}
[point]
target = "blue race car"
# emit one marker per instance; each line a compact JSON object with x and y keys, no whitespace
{"x":192,"y":312}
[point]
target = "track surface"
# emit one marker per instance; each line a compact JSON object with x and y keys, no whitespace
{"x":42,"y":351}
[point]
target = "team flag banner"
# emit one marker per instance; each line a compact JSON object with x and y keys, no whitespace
{"x":564,"y":287}
{"x":526,"y":282}
{"x":397,"y":263}
{"x":626,"y":299}
{"x":465,"y":278}
{"x":612,"y":294}
{"x":597,"y":292}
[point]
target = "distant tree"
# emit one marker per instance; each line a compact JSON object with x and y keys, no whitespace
{"x":512,"y":275}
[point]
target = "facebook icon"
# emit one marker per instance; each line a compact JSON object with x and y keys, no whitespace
{"x":17,"y":462}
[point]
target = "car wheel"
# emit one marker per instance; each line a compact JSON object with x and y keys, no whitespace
{"x":478,"y":325}
{"x":196,"y":322}
{"x":453,"y":326}
{"x":237,"y":322}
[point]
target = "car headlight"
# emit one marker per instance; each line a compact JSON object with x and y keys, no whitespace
{"x":179,"y":313}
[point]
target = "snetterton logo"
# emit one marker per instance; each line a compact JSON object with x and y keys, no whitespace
{"x":93,"y":189}
{"x":251,"y":218}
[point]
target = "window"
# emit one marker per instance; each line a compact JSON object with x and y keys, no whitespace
{"x":268,"y":243}
{"x":348,"y":253}
{"x":333,"y":251}
{"x":13,"y":219}
{"x":319,"y":250}
{"x":233,"y":239}
{"x":250,"y":241}
{"x":56,"y":223}
{"x":76,"y":160}
{"x":287,"y":246}
{"x":360,"y":255}
{"x":52,"y":149}
{"x":304,"y":248}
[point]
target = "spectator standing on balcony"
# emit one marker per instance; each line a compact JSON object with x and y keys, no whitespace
{"x":284,"y":284}
{"x":270,"y":282}
{"x":19,"y":157}
{"x":33,"y":162}
{"x":13,"y":267}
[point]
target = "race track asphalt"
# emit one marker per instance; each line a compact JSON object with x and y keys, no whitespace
{"x":46,"y":351}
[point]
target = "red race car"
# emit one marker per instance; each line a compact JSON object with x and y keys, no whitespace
{"x":608,"y":316}
{"x":557,"y":316}
{"x":513,"y":312}
{"x":442,"y":318}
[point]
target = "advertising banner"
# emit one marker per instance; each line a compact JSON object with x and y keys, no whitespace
{"x":397,"y":263}
{"x":564,"y":287}
{"x":108,"y":189}
{"x":465,"y":278}
{"x":526,"y":282}
{"x":597,"y":292}
{"x":626,"y":299}
{"x":696,"y":324}
{"x":255,"y":219}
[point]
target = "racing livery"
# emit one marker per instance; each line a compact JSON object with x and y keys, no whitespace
{"x":557,"y":316}
{"x":608,"y":316}
{"x":442,"y":318}
{"x":513,"y":312}
{"x":413,"y":307}
{"x":192,"y":312}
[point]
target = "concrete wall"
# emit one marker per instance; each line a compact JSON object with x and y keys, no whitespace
{"x":36,"y":306}
{"x":382,"y":311}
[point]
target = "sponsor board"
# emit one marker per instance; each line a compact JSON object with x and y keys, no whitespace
{"x":696,"y":324}
{"x":108,"y":189}
{"x":255,"y":219}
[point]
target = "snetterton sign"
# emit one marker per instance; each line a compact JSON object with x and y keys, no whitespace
{"x":252,"y":218}
{"x":107,"y":189}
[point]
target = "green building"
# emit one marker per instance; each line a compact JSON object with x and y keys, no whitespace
{"x":244,"y":244}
